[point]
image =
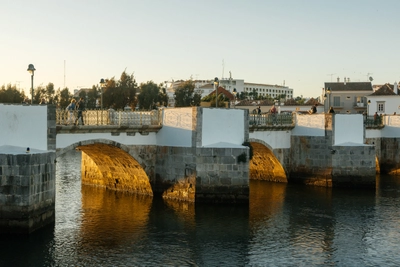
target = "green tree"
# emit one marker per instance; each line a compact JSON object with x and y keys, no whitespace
{"x":300,"y":100}
{"x":121,"y":93}
{"x":163,"y":96}
{"x":185,"y":96}
{"x":91,"y":97}
{"x":64,"y":97}
{"x":221,"y":100}
{"x":50,"y":94}
{"x":39,"y":93}
{"x":149,"y":95}
{"x":10,"y":94}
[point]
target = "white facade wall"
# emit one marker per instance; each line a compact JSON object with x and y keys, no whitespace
{"x":309,"y":125}
{"x":267,"y":89}
{"x":223,"y":127}
{"x":275,"y":139}
{"x":240,"y":86}
{"x":64,"y":140}
{"x":23,"y":126}
{"x":177,"y":128}
{"x":391,"y":104}
{"x":391,"y":129}
{"x":349,"y":129}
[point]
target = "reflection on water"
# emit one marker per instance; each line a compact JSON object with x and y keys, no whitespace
{"x":284,"y":225}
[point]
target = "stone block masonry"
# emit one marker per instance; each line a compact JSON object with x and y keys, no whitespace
{"x":211,"y":175}
{"x":353,"y":166}
{"x":27,"y":190}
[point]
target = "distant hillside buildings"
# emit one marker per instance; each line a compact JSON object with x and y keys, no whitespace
{"x":206,"y":87}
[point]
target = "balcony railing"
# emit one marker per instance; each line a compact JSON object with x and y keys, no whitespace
{"x":373,"y":121}
{"x":110,"y":117}
{"x":269,"y":119}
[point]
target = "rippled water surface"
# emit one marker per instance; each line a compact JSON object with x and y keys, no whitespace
{"x":284,"y":225}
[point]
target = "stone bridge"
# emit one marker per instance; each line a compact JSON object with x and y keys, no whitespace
{"x":190,"y":154}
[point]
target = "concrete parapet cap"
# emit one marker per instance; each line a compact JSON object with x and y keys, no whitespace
{"x":107,"y":128}
{"x":17,"y":150}
{"x":225,"y":145}
{"x":352,"y":144}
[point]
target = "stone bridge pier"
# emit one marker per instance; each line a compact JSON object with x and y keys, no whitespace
{"x":324,"y":150}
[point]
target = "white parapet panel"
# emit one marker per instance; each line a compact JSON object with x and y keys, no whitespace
{"x":309,"y":125}
{"x":225,"y":126}
{"x":23,"y":126}
{"x":177,"y":127}
{"x":349,"y":129}
{"x":392,"y":126}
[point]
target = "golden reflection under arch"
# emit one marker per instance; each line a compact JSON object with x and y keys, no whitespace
{"x":265,"y":166}
{"x":111,"y":167}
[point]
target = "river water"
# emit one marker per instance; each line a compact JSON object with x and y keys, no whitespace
{"x":284,"y":225}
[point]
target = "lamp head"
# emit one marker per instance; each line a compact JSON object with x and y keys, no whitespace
{"x":328,"y":90}
{"x":216,"y":81}
{"x":31,"y":69}
{"x":102,"y":82}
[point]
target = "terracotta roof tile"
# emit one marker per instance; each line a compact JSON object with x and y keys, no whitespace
{"x":386,"y":89}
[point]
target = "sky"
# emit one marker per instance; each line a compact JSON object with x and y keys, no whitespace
{"x":298,"y":43}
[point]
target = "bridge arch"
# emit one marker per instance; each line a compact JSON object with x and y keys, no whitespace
{"x":264,"y":165}
{"x":73,"y":146}
{"x":112,"y":165}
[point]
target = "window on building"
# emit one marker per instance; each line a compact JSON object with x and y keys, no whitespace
{"x":336,"y":101}
{"x":381,"y":107}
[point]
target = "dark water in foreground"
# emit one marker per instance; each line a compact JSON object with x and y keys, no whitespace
{"x":284,"y":225}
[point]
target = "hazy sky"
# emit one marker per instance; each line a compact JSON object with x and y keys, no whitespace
{"x":303,"y":43}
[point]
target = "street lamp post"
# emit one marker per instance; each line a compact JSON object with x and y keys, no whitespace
{"x":31,"y":70}
{"x":216,"y":83}
{"x":234,"y":97}
{"x":328,"y":92}
{"x":102,"y":83}
{"x":369,"y":102}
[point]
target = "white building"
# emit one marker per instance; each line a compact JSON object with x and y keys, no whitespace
{"x":205,"y":87}
{"x":384,"y":100}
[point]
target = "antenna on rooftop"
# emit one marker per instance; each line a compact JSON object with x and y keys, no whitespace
{"x":331,"y":74}
{"x":223,"y":67}
{"x":64,"y":73}
{"x":18,"y":84}
{"x":369,"y":77}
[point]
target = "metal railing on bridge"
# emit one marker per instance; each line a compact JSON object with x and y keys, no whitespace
{"x":374,"y":121}
{"x":110,"y":117}
{"x":269,"y":119}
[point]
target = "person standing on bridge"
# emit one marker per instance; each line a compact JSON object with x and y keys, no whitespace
{"x":81,"y":108}
{"x":71,"y":109}
{"x":273,"y":112}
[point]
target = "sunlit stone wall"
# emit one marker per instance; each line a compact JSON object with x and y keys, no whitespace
{"x":203,"y":174}
{"x":110,"y":167}
{"x":265,"y":165}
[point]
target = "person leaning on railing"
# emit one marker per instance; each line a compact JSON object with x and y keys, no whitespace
{"x":273,"y":112}
{"x":71,"y":109}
